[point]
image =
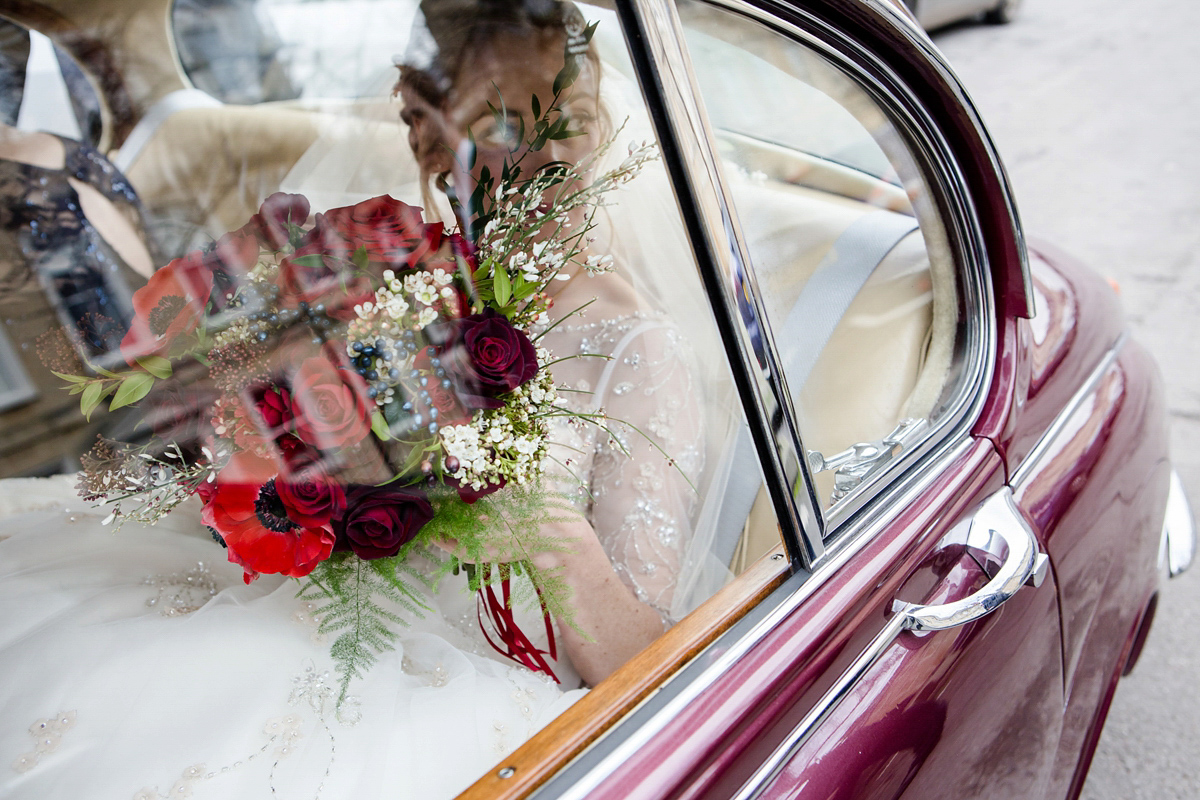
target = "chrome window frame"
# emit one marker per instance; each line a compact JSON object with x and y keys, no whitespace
{"x":870,"y":511}
{"x":690,"y":152}
{"x":975,"y":352}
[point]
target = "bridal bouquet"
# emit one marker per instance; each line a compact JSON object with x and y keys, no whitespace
{"x":371,"y":384}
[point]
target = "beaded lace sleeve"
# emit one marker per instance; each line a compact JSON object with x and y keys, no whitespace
{"x":642,"y":500}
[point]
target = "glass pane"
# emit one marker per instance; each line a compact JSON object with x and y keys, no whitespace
{"x":848,"y":250}
{"x":412,"y":356}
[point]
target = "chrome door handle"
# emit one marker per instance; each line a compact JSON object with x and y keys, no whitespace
{"x":1002,"y":534}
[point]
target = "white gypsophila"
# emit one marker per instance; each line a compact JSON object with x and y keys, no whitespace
{"x":426,"y":317}
{"x":504,"y":444}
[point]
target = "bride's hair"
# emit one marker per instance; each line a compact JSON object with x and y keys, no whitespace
{"x":454,"y":30}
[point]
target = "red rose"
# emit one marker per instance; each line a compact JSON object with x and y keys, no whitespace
{"x":329,"y":404}
{"x":252,"y":520}
{"x":379,"y":520}
{"x":392,"y":232}
{"x":276,"y":216}
{"x":171,"y":303}
{"x":489,"y":356}
{"x":274,"y":405}
{"x":311,"y":501}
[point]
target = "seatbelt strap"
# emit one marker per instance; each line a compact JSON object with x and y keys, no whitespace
{"x":146,"y":127}
{"x":810,"y":324}
{"x":838,"y":279}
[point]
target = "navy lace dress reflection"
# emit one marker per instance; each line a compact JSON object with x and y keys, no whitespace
{"x":55,"y":268}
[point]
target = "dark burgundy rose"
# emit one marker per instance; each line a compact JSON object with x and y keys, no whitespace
{"x":296,"y":454}
{"x":489,"y":357}
{"x":312,"y":501}
{"x":469,"y":495}
{"x":274,"y":404}
{"x":275,"y":215}
{"x":379,"y":520}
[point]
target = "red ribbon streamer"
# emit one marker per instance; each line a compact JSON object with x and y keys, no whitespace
{"x":516,"y":645}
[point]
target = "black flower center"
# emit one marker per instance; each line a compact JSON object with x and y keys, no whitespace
{"x":270,"y":509}
{"x":165,"y":313}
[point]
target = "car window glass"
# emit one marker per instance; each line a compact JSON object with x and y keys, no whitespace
{"x":847,"y":250}
{"x":253,"y":51}
{"x":463,"y":304}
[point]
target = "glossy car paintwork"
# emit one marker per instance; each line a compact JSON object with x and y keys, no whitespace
{"x":1047,"y":359}
{"x":715,"y":745}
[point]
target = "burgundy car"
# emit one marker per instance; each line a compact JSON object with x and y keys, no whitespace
{"x":941,"y":491}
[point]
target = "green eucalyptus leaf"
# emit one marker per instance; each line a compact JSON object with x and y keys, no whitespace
{"x":157,"y":366}
{"x":379,"y":426}
{"x":502,"y":287}
{"x":536,"y":105}
{"x":314,"y":260}
{"x":135,"y":386}
{"x":91,"y":398}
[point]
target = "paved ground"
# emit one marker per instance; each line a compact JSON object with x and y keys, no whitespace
{"x":1095,"y":106}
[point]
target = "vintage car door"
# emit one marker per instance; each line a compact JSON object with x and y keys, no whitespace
{"x":862,"y":256}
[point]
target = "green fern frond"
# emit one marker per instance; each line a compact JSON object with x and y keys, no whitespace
{"x":350,"y":597}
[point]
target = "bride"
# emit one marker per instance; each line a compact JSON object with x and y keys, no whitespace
{"x":137,"y":664}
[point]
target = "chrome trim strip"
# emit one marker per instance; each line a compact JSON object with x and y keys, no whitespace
{"x":1179,"y":529}
{"x":1030,"y":463}
{"x":770,"y":769}
{"x":734,"y":286}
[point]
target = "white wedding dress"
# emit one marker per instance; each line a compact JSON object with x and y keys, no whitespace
{"x":134,"y":663}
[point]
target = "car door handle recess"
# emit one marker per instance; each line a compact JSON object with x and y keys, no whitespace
{"x":1003,"y":535}
{"x":1000,"y":533}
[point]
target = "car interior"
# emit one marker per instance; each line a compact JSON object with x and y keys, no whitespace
{"x":201,"y":167}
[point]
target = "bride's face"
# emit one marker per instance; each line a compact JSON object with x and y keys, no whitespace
{"x":507,"y":74}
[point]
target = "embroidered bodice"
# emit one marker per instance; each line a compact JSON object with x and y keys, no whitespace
{"x":631,"y":470}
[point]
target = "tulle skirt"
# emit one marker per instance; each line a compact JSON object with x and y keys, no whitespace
{"x":134,"y":663}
